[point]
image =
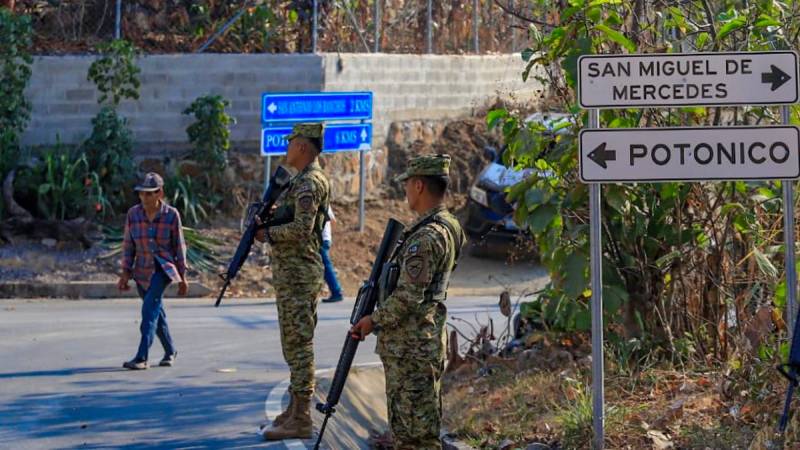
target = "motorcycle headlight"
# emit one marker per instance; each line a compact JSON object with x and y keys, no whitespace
{"x":479,"y":195}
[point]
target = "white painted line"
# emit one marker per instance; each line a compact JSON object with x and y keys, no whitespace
{"x":273,"y":404}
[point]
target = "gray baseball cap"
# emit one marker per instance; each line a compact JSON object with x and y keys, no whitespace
{"x":152,"y":182}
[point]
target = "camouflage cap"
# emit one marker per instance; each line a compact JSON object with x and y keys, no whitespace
{"x":307,"y":130}
{"x":432,"y":165}
{"x":152,"y":182}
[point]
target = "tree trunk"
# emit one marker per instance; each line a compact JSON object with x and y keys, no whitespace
{"x":8,"y":4}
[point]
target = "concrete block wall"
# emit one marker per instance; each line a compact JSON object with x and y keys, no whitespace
{"x":64,"y":101}
{"x":405,"y":87}
{"x":414,"y":87}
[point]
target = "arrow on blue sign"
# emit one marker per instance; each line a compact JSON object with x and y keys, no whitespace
{"x":338,"y":138}
{"x":315,"y":106}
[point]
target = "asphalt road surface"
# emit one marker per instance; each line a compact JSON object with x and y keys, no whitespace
{"x":62,"y":385}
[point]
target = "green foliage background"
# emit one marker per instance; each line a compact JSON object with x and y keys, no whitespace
{"x":686,"y":265}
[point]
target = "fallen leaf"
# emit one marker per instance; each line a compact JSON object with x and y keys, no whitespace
{"x":505,"y":304}
{"x":660,"y":440}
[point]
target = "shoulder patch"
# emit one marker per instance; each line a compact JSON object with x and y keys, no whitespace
{"x":306,"y":202}
{"x":415,"y":266}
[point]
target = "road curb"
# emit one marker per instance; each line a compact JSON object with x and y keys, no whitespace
{"x":85,"y":290}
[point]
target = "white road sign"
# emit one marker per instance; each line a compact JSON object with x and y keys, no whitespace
{"x":619,"y":155}
{"x":701,"y":79}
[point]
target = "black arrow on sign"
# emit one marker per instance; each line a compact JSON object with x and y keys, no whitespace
{"x":600,"y":155}
{"x":776,"y":77}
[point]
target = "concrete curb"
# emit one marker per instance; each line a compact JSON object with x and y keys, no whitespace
{"x":108,"y":290}
{"x":85,"y":290}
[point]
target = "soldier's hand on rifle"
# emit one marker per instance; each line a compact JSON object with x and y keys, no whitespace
{"x":261,"y":234}
{"x":363,"y":328}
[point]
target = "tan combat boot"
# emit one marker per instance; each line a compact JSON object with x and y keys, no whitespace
{"x":297,"y":426}
{"x":286,"y":414}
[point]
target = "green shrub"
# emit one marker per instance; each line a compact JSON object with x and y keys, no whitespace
{"x":210,"y":133}
{"x":61,"y":183}
{"x":109,"y":152}
{"x":115,"y":73}
{"x":15,"y":60}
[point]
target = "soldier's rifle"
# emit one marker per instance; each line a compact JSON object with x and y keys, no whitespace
{"x":263,"y":210}
{"x":366,"y":300}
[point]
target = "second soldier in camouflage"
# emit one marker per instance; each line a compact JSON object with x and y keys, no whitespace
{"x":411,"y":318}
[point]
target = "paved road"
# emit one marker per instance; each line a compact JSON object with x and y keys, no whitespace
{"x":61,"y":385}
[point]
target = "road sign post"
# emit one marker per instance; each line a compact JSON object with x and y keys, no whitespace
{"x":315,"y":106}
{"x":701,"y":79}
{"x":338,"y":138}
{"x":619,"y":155}
{"x":279,"y":111}
{"x":596,"y":273}
{"x":683,"y":154}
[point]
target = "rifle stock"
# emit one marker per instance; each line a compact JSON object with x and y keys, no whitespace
{"x":365,"y":303}
{"x":277,"y":184}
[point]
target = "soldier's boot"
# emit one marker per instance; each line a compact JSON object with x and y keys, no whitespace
{"x":286,"y":414}
{"x":297,"y":426}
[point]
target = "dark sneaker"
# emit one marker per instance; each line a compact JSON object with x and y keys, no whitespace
{"x":135,"y":365}
{"x":168,"y":360}
{"x":333,"y":299}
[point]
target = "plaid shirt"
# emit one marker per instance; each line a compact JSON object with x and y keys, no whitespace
{"x":146,"y":242}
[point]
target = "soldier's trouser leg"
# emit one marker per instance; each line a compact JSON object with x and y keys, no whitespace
{"x":413,"y":394}
{"x":297,"y":317}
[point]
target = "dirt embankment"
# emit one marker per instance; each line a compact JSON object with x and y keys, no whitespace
{"x":352,"y":252}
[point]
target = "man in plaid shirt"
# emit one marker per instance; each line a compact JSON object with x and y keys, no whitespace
{"x":154,"y":254}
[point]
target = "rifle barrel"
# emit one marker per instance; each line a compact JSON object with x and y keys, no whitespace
{"x":222,"y":292}
{"x":322,"y":430}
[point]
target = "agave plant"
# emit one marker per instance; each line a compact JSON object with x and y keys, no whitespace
{"x":200,"y":248}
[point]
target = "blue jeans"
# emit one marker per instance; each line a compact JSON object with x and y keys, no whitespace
{"x":330,"y":272}
{"x":154,"y":318}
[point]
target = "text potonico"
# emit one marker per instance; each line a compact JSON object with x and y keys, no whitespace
{"x":706,"y":153}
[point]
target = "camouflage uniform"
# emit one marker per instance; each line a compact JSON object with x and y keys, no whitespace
{"x":411,"y":320}
{"x":297,"y":266}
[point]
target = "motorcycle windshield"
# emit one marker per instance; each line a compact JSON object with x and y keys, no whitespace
{"x":498,"y":177}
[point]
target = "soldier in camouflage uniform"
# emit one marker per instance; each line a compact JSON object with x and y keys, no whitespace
{"x":297,"y":272}
{"x":411,"y":318}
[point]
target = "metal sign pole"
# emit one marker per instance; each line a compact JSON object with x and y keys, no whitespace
{"x":315,"y":19}
{"x":118,"y":20}
{"x":789,"y":243}
{"x":596,"y":245}
{"x":377,"y":43}
{"x":429,"y":29}
{"x":267,"y":170}
{"x":362,"y":182}
{"x":475,"y":25}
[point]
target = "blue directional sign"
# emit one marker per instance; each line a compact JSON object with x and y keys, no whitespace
{"x":315,"y":106}
{"x":338,"y":138}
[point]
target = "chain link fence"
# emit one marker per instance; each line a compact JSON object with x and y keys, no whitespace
{"x":281,"y":26}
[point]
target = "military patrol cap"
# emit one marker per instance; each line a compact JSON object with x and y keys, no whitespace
{"x":427,"y":165}
{"x":152,"y":182}
{"x":307,"y":130}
